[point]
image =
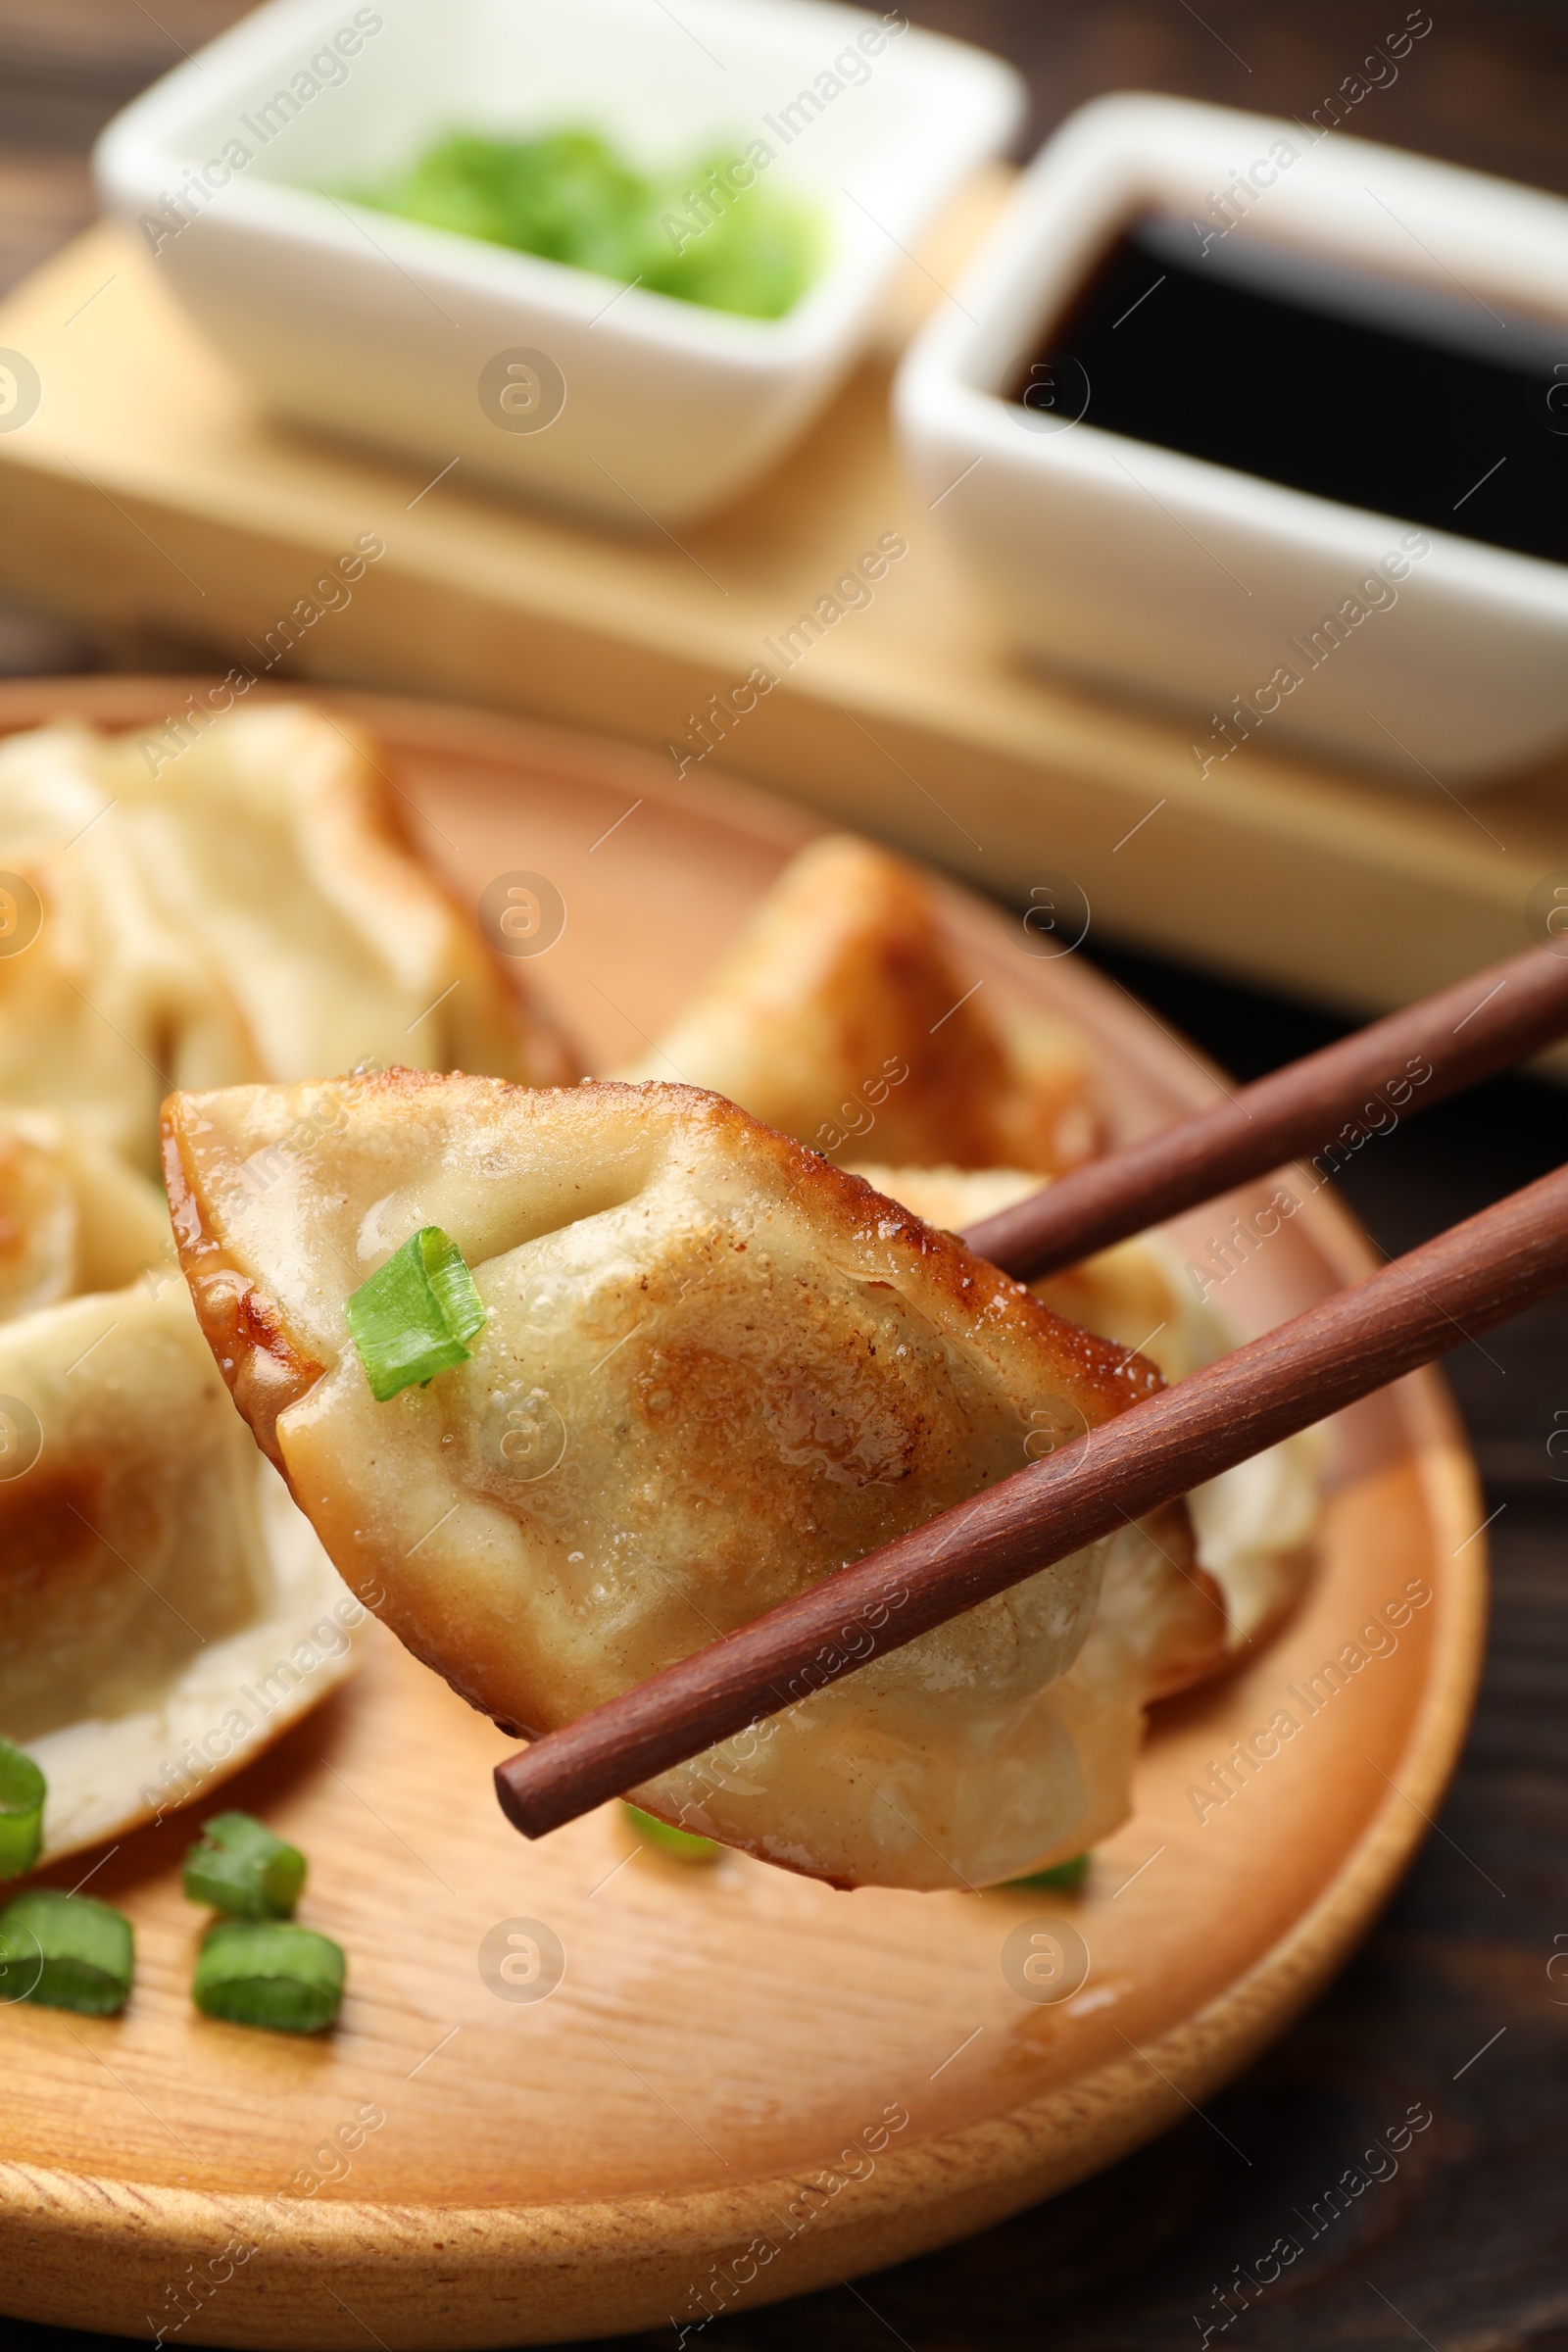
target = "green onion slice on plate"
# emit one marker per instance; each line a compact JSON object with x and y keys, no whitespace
{"x":238,"y":1866}
{"x":268,"y":1973}
{"x":681,"y":1844}
{"x":66,"y":1951}
{"x":415,"y":1316}
{"x":1063,"y":1877}
{"x":23,"y":1789}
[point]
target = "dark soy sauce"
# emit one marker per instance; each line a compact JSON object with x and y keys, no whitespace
{"x":1422,"y":404}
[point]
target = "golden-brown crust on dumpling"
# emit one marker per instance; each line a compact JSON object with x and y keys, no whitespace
{"x":267,"y":1371}
{"x":844,"y":1205}
{"x":241,"y":1325}
{"x":841,"y":1012}
{"x":714,"y":1370}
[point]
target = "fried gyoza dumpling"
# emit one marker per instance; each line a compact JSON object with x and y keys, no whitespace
{"x":241,"y":909}
{"x":72,"y":1216}
{"x":714,"y":1370}
{"x":1253,"y":1523}
{"x":841,"y":1013}
{"x":158,"y":1592}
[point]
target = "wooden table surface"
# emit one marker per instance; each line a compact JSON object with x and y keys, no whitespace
{"x":1454,"y":2002}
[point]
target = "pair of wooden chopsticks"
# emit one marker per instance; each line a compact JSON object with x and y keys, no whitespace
{"x":1414,"y":1309}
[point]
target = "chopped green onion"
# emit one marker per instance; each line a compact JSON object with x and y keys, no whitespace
{"x":23,"y":1789}
{"x":271,"y":1974}
{"x":67,"y":1951}
{"x":571,"y":197}
{"x":238,"y":1866}
{"x":680,"y":1845}
{"x":415,"y":1316}
{"x":1063,"y":1877}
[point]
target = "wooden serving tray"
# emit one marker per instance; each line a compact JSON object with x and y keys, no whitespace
{"x":746,"y":2084}
{"x":150,"y":497}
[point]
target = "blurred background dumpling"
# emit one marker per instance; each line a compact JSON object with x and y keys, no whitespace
{"x":1253,"y":1524}
{"x":841,"y":1009}
{"x":165,"y":1610}
{"x":73,"y":1215}
{"x":241,"y":908}
{"x":131,"y":1542}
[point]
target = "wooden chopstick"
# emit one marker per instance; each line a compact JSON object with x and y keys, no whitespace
{"x":1466,"y":1033}
{"x":1417,"y":1307}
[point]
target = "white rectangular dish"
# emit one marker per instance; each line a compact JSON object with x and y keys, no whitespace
{"x":1188,"y":582}
{"x":619,"y":402}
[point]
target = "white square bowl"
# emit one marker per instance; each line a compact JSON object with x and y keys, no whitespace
{"x":1185,"y":581}
{"x":381,"y":327}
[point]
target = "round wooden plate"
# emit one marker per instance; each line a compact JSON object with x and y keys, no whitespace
{"x":745,"y":2084}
